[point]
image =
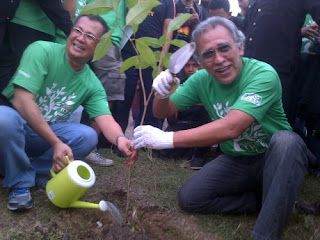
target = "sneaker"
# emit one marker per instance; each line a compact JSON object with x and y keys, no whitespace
{"x":196,"y":163}
{"x":19,"y":199}
{"x":96,"y":158}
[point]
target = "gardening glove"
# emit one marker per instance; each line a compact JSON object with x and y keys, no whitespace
{"x":151,"y":137}
{"x":164,"y":83}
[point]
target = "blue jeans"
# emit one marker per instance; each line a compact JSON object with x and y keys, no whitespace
{"x":234,"y":185}
{"x":24,"y":154}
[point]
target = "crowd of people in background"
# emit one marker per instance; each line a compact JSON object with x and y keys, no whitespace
{"x":250,"y":90}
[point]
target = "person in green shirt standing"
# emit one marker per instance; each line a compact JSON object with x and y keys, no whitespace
{"x":33,"y":20}
{"x":263,"y":162}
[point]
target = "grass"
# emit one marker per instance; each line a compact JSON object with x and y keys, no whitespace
{"x":163,"y":178}
{"x":154,"y":194}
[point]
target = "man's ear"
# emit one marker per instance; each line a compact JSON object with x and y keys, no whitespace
{"x":241,"y":50}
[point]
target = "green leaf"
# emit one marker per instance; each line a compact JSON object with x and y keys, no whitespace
{"x":103,"y":46}
{"x":115,"y":4}
{"x":178,"y":21}
{"x":164,"y":39}
{"x":165,"y":59}
{"x":155,"y":72}
{"x":135,"y":28}
{"x":130,"y":62}
{"x":177,"y":42}
{"x":139,"y":12}
{"x":151,"y":42}
{"x":132,"y":3}
{"x":146,"y":54}
{"x":98,"y":7}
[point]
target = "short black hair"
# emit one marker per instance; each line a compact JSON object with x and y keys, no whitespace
{"x":95,"y":18}
{"x":217,"y":4}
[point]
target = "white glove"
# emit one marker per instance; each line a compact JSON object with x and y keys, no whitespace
{"x":163,"y":83}
{"x":151,"y":137}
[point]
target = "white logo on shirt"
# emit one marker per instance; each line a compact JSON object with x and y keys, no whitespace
{"x":252,"y":97}
{"x":24,"y":73}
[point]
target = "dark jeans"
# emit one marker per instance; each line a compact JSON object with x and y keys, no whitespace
{"x":232,"y":185}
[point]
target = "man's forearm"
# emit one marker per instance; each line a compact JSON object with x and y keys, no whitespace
{"x":161,"y":107}
{"x":109,"y":127}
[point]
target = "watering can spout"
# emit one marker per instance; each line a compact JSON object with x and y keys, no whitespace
{"x":81,"y":204}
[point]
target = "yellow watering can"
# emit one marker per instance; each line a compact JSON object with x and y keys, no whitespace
{"x":65,"y":188}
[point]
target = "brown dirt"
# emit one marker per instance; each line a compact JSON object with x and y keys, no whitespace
{"x":146,"y":220}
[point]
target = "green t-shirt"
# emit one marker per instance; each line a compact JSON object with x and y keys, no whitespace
{"x":80,"y":5}
{"x":45,"y":71}
{"x":257,"y":91}
{"x":30,"y":14}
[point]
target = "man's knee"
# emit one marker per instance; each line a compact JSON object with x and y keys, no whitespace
{"x":9,"y":121}
{"x":290,"y":147}
{"x":85,"y":135}
{"x":286,"y":139}
{"x":188,"y":200}
{"x":184,"y":199}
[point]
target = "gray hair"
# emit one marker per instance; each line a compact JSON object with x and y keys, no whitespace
{"x":212,"y":23}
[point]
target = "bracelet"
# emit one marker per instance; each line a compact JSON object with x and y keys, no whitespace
{"x":119,"y":136}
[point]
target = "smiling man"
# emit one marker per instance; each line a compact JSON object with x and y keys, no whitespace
{"x":263,"y":162}
{"x":50,"y":83}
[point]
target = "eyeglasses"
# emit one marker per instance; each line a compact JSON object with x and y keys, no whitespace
{"x":223,"y":50}
{"x":87,"y":36}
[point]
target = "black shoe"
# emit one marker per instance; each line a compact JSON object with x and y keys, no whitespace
{"x":305,"y":208}
{"x":196,"y":163}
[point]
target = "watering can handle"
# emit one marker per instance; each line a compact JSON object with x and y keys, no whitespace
{"x":53,"y":174}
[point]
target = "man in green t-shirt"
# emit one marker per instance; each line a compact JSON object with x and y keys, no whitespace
{"x":52,"y":80}
{"x":263,"y":161}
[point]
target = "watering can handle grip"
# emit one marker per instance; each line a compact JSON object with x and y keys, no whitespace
{"x":53,"y":174}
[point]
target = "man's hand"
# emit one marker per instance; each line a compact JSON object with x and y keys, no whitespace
{"x":194,"y":19}
{"x":60,"y":151}
{"x":152,"y":137}
{"x":133,"y":158}
{"x":124,"y":145}
{"x":163,"y":83}
{"x":311,"y":32}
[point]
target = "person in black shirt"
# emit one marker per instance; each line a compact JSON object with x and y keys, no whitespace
{"x":221,"y":8}
{"x":198,"y":14}
{"x":243,"y":5}
{"x":273,"y":35}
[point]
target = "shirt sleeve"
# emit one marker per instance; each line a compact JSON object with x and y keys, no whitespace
{"x":187,"y":93}
{"x":260,"y":94}
{"x":57,"y":14}
{"x":32,"y":69}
